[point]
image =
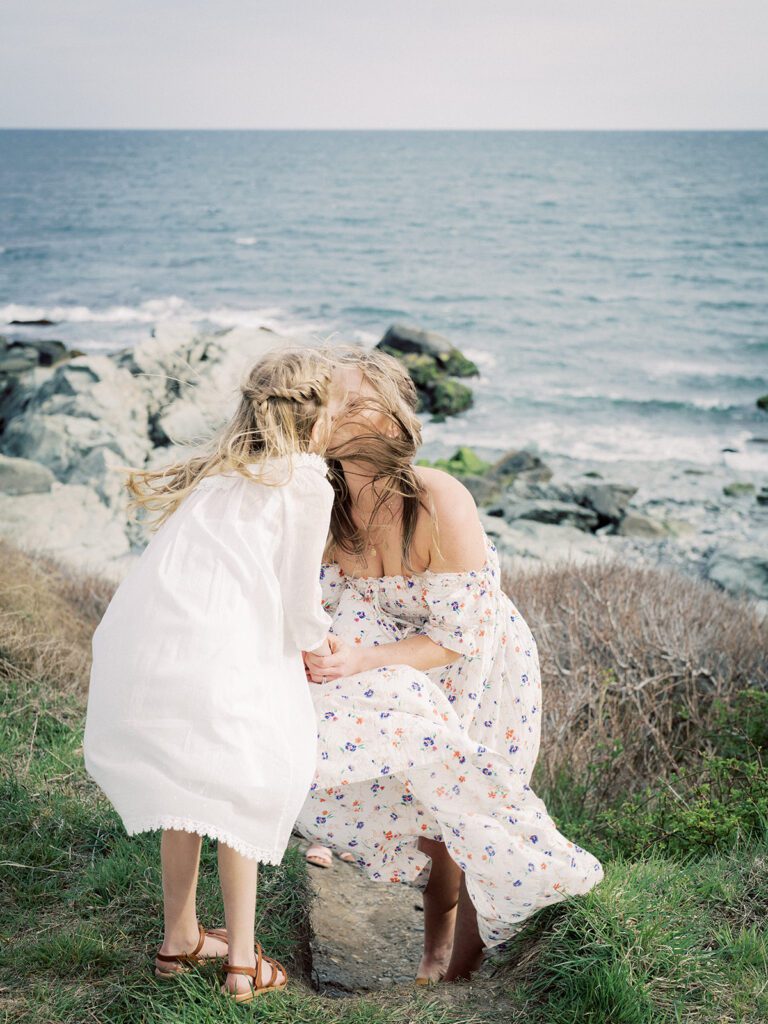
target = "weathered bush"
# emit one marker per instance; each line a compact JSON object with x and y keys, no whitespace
{"x":637,"y":665}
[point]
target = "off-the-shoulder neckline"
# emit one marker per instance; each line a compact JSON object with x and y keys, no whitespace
{"x":486,"y":566}
{"x":409,"y":579}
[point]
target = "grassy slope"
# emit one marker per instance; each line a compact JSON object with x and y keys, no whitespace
{"x":668,"y":936}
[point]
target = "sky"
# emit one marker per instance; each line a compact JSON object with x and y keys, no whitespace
{"x":465,"y":64}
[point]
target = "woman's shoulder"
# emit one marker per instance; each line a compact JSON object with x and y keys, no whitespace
{"x":452,"y":513}
{"x":444,"y":490}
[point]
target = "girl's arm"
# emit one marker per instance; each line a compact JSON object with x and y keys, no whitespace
{"x":307,"y":503}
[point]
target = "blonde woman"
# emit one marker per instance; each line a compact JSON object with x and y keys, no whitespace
{"x":199,"y":719}
{"x":430,"y":713}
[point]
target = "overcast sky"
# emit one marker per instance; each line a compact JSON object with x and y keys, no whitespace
{"x":384,"y":63}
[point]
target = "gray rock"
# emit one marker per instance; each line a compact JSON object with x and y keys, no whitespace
{"x":43,"y":351}
{"x":741,"y":568}
{"x":23,"y":476}
{"x":609,"y":500}
{"x":517,"y":463}
{"x":636,"y":525}
{"x":556,"y":512}
{"x":410,"y":340}
{"x":69,"y":522}
{"x":207,"y":402}
{"x":542,"y":542}
{"x":738,"y":488}
{"x":104,"y":471}
{"x":86,"y":403}
{"x":483,"y":490}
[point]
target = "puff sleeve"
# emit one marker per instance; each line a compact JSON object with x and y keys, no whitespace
{"x":307,"y":504}
{"x":460,"y":611}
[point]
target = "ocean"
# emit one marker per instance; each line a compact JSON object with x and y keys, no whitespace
{"x":612,"y":286}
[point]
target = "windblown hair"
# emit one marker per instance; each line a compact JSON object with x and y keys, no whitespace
{"x":281,"y":400}
{"x":383,"y":453}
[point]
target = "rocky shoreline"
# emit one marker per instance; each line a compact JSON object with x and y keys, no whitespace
{"x":70,"y":423}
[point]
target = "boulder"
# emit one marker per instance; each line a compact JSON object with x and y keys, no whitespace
{"x":45,"y":352}
{"x":449,"y":398}
{"x":636,"y":525}
{"x":484,"y":490}
{"x":556,"y":512}
{"x":23,"y":476}
{"x":432,"y":362}
{"x":543,"y":542}
{"x":68,"y":522}
{"x":608,"y":500}
{"x":208,"y":400}
{"x":738,"y":489}
{"x":104,"y":471}
{"x":520,"y":463}
{"x":401,"y":339}
{"x":86,"y":403}
{"x":741,"y":568}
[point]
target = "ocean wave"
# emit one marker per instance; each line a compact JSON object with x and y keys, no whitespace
{"x":170,"y":307}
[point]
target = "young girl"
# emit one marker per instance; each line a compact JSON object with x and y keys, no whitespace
{"x":199,"y":719}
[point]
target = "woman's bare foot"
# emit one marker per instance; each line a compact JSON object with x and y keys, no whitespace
{"x":468,"y":947}
{"x":441,"y":897}
{"x":433,"y":965}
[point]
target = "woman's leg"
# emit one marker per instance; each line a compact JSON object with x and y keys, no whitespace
{"x":467,"y":954}
{"x":238,"y":876}
{"x":441,"y":897}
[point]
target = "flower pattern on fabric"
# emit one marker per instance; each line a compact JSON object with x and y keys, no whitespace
{"x":445,"y":754}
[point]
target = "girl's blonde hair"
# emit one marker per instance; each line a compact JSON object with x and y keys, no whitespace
{"x":281,"y":401}
{"x":385,"y":455}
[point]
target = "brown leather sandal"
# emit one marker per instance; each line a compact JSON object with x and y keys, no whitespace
{"x":255,"y":972}
{"x":185,"y":961}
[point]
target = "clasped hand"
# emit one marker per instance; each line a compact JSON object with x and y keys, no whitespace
{"x":332,"y":660}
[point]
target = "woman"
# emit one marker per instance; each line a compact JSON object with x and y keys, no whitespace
{"x":430,"y":713}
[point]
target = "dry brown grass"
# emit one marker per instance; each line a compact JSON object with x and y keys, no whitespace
{"x":635,"y":655}
{"x":47,"y":617}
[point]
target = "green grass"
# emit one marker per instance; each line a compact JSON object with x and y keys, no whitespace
{"x":660,"y":939}
{"x":676,"y":933}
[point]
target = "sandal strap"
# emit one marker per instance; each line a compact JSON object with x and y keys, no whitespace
{"x":255,"y":972}
{"x":188,"y":958}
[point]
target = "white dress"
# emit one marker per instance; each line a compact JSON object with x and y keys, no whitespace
{"x":445,"y":754}
{"x":199,"y":711}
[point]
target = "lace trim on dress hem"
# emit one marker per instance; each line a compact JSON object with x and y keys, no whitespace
{"x":202,"y":829}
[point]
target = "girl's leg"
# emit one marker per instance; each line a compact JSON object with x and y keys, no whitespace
{"x":441,"y":896}
{"x":180,"y":858}
{"x":467,"y":954}
{"x":238,"y":876}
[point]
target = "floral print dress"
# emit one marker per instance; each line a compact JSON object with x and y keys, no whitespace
{"x":446,"y":754}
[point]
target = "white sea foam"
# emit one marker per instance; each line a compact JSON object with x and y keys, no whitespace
{"x":168,"y":308}
{"x":246,"y":240}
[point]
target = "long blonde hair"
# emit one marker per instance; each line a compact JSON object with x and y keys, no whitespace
{"x":386,"y":456}
{"x":281,"y":400}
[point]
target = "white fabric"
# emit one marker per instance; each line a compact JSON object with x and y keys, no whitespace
{"x":445,"y":754}
{"x":199,"y":712}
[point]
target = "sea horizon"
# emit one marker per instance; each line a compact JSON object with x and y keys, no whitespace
{"x":610,"y":283}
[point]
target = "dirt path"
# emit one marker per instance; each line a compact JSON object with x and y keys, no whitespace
{"x":368,"y":936}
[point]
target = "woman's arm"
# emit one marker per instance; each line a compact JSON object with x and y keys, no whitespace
{"x":460,"y":548}
{"x":344,"y":660}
